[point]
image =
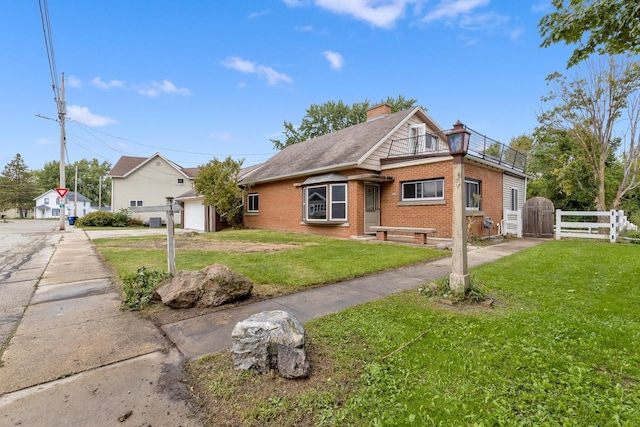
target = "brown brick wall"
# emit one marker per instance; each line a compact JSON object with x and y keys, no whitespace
{"x":280,"y":208}
{"x":281,"y":203}
{"x":438,"y":216}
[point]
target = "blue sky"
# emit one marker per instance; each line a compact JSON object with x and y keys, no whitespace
{"x":198,"y":79}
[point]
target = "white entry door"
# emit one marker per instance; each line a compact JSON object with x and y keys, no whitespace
{"x":372,"y":207}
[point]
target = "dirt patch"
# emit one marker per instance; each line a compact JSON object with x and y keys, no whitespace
{"x":190,"y":244}
{"x":241,"y":398}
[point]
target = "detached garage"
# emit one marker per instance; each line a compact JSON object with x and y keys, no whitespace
{"x":198,"y":216}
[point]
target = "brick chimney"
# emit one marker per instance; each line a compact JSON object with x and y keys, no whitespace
{"x":378,"y":111}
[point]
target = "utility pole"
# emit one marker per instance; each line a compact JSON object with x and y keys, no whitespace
{"x":100,"y":194}
{"x":75,"y":195}
{"x":62,"y":111}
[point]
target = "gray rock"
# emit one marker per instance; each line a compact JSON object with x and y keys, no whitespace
{"x":212,"y":286}
{"x":270,"y":340}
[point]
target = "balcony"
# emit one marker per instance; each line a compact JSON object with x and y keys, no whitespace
{"x":480,"y":146}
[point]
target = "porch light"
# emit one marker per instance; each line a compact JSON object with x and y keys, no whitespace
{"x":459,"y":139}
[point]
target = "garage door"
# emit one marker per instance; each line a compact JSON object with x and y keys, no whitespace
{"x":194,"y":215}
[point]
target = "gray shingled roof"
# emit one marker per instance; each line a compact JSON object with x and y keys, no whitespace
{"x":334,"y":150}
{"x":126,"y":164}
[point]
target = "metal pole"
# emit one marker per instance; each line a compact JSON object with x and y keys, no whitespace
{"x":62,"y":110}
{"x":171,"y":244}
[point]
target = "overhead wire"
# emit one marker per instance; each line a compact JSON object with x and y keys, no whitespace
{"x":48,"y":42}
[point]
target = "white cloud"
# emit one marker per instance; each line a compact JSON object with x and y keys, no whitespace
{"x":155,"y":89}
{"x":221,"y":136}
{"x":239,"y":64}
{"x":262,"y":71}
{"x":542,"y":6}
{"x":258,"y":14}
{"x":335,"y":59}
{"x":72,"y":81}
{"x":304,"y":28}
{"x":99,"y":83}
{"x":379,"y":13}
{"x":483,"y":22}
{"x":449,"y":9}
{"x":86,"y":117}
{"x":516,"y":33}
{"x":293,"y":3}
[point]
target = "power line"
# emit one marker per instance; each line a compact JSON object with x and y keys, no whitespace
{"x":163,"y":148}
{"x":48,"y":42}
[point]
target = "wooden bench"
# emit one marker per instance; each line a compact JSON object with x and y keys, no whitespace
{"x":419,"y":234}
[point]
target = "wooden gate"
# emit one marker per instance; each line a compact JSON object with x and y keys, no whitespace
{"x":537,"y":218}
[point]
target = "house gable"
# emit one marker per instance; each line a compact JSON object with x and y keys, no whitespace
{"x":340,"y":150}
{"x":147,"y":182}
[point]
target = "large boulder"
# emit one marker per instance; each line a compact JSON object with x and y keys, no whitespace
{"x":270,"y":340}
{"x":214,"y":285}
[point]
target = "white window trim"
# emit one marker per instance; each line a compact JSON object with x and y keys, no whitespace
{"x":416,"y":199}
{"x":252,"y":195}
{"x":517,"y":197}
{"x":479,"y":184}
{"x":344,"y":202}
{"x":329,"y":202}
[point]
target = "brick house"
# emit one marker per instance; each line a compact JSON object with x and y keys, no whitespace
{"x":392,"y":170}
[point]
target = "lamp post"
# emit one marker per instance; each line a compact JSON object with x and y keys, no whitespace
{"x":458,"y":147}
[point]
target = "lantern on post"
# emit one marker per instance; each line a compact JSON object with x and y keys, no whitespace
{"x":459,"y":280}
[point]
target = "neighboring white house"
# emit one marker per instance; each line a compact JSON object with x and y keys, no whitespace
{"x":48,"y":205}
{"x":147,"y":181}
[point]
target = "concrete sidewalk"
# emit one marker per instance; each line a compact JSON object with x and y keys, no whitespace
{"x":211,"y":333}
{"x":75,"y":359}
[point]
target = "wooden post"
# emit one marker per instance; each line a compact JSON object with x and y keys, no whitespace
{"x":171,"y":244}
{"x":459,"y":280}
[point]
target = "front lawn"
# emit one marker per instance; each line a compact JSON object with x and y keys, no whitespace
{"x":277,"y":262}
{"x":560,"y":348}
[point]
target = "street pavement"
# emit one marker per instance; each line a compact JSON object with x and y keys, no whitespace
{"x":25,"y":249}
{"x":75,"y":359}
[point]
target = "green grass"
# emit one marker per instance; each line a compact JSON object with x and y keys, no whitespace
{"x":313,"y":260}
{"x":560,"y":349}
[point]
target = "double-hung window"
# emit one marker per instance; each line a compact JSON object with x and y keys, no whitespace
{"x":472,"y":194}
{"x":327,"y":202}
{"x":252,"y":203}
{"x":514,"y":199}
{"x":430,"y":189}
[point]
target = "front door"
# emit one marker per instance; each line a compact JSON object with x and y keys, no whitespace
{"x":372,"y":207}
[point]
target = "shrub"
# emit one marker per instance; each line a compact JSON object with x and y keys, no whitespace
{"x":135,"y":222}
{"x":95,"y":219}
{"x":138,"y":287}
{"x":121,"y":218}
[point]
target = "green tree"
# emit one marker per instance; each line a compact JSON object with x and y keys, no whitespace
{"x":331,"y":116}
{"x":91,"y":175}
{"x":17,"y":186}
{"x":559,"y":171}
{"x":603,"y":26}
{"x":217,"y":181}
{"x":601,"y":111}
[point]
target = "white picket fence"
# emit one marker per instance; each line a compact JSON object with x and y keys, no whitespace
{"x":616,"y":223}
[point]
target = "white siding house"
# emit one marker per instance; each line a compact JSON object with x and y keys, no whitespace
{"x":48,"y":205}
{"x":142,"y":181}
